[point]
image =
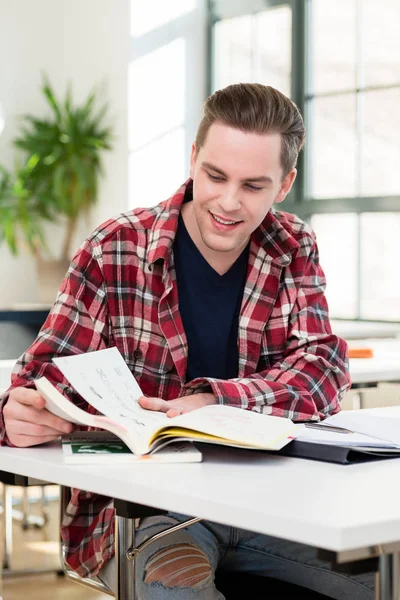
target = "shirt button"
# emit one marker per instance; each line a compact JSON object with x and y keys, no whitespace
{"x":138,"y":354}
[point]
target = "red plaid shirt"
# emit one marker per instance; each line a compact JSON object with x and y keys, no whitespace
{"x":121,"y":291}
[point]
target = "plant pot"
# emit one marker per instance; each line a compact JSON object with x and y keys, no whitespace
{"x":50,"y":275}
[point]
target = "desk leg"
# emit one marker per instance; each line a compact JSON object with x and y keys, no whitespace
{"x":388,"y":577}
{"x":7,"y":526}
{"x":125,"y":569}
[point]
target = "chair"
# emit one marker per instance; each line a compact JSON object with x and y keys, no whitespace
{"x":8,"y":480}
{"x":234,"y":586}
{"x":27,"y":520}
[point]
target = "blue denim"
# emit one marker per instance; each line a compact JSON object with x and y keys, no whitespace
{"x":238,"y":550}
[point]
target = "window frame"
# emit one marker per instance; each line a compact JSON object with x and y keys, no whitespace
{"x":297,"y":202}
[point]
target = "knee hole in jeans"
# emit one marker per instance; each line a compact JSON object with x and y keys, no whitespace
{"x":180,"y":565}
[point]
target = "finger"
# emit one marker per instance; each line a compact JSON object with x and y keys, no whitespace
{"x":154,"y":404}
{"x":24,"y":441}
{"x":29,"y":414}
{"x":32,"y":429}
{"x":27,"y":397}
{"x":174,"y":412}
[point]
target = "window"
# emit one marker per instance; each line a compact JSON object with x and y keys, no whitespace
{"x":340,"y":62}
{"x":165,"y":94}
{"x":254,"y":47}
{"x":351,"y":107}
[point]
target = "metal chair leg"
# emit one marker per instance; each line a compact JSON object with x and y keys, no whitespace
{"x":7,"y":526}
{"x":97,"y":585}
{"x":388,"y":581}
{"x":8,"y":515}
{"x":125,"y":569}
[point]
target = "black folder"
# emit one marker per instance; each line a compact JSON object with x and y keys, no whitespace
{"x":333,"y":454}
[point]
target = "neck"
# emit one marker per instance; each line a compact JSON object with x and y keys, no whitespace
{"x":221,"y":262}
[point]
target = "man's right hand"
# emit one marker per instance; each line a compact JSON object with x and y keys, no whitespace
{"x":28,"y":423}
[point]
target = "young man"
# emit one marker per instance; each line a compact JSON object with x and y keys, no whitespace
{"x":211,"y":297}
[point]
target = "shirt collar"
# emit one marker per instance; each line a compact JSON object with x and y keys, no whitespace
{"x":271,"y":235}
{"x":276,"y":239}
{"x":163,"y":231}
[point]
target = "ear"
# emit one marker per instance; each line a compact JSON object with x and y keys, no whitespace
{"x":286,"y":185}
{"x":193,"y":158}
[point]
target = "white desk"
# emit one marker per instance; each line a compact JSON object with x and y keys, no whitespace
{"x":353,"y":330}
{"x":336,"y":508}
{"x":384,"y":366}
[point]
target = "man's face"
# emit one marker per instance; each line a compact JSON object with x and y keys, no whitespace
{"x":236,"y":178}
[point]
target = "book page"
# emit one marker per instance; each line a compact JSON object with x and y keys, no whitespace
{"x":248,"y":428}
{"x":104,"y":380}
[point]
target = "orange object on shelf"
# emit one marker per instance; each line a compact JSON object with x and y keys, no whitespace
{"x":361,"y":353}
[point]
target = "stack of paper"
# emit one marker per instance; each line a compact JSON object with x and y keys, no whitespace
{"x":375,"y":430}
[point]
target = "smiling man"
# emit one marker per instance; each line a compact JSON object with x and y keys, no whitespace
{"x":212,"y":296}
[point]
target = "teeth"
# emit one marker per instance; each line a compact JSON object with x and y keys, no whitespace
{"x":224,"y":222}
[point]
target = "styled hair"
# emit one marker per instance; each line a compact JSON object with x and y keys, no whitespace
{"x":253,"y":107}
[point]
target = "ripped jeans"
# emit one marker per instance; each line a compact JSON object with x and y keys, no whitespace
{"x":181,"y":566}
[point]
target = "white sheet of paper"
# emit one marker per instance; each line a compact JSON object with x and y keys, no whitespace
{"x":321,"y":436}
{"x":382,"y":424}
{"x":105,"y":381}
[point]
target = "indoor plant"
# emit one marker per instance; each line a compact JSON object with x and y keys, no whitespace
{"x":56,"y":179}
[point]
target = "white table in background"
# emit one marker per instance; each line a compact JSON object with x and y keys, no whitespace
{"x":353,"y":330}
{"x":383,"y":367}
{"x":346,"y":509}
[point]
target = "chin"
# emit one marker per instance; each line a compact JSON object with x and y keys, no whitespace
{"x":220,"y":245}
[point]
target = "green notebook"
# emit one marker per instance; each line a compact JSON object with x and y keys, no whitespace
{"x":101,"y":447}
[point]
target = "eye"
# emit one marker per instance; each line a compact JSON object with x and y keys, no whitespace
{"x":253,"y":188}
{"x":214,"y":177}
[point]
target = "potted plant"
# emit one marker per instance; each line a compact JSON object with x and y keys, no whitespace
{"x":57,"y":180}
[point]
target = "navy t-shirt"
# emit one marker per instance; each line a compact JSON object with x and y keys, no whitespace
{"x":209,"y":305}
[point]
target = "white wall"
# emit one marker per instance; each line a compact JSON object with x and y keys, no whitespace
{"x":82,"y":41}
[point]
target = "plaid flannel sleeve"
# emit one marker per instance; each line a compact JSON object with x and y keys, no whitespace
{"x":77,"y":322}
{"x":312,"y":376}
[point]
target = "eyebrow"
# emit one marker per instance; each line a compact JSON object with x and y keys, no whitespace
{"x":261,"y":179}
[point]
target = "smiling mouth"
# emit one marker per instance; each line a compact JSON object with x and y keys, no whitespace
{"x":223,"y":221}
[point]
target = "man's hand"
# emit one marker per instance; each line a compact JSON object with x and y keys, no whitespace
{"x":28,"y":423}
{"x":173,"y":408}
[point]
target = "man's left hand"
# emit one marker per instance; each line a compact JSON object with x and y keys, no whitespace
{"x":173,"y":408}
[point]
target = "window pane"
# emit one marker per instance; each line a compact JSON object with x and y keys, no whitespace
{"x":380,"y":284}
{"x":254,"y":47}
{"x":233,"y":62}
{"x":156,"y":171}
{"x":381,"y":41}
{"x":339,"y":261}
{"x":380,"y":143}
{"x":273,"y":56}
{"x":146,"y":16}
{"x":333,"y":147}
{"x":333,"y":45}
{"x":156,"y":93}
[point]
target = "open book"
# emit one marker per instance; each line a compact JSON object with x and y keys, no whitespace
{"x":104,"y":380}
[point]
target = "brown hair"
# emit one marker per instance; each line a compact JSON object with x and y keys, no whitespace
{"x":253,"y":107}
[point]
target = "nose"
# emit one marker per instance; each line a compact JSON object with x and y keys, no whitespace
{"x":230,"y":201}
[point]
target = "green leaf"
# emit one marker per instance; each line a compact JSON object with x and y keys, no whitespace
{"x":59,"y":169}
